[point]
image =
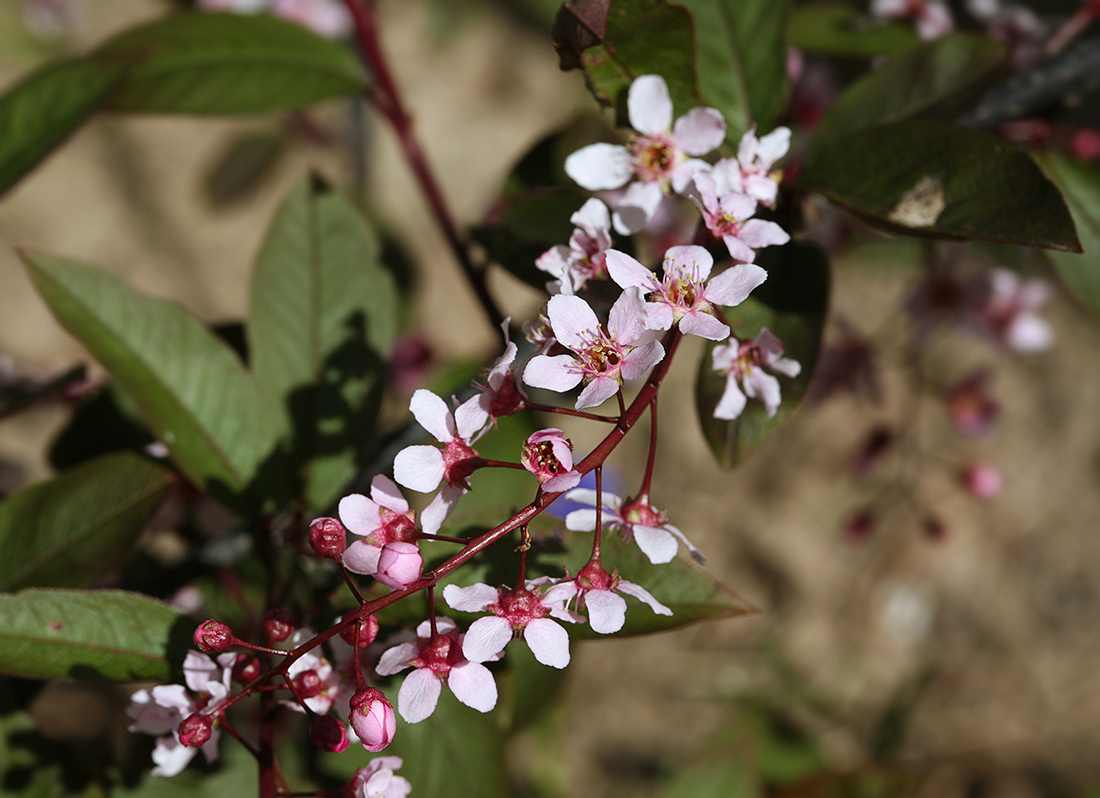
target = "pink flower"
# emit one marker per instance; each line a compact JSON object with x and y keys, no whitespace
{"x":423,"y":468}
{"x":583,"y":259}
{"x":932,"y":17}
{"x":515,"y":612}
{"x":636,"y":519}
{"x":328,"y":733}
{"x":377,"y":780}
{"x":684,"y":296}
{"x":382,"y":519}
{"x":972,"y":409}
{"x":399,"y":565}
{"x":548,"y":454}
{"x":727,"y":212}
{"x":1010,"y":315}
{"x":318,"y":683}
{"x":743,"y":362}
{"x":438,"y":660}
{"x":596,"y":590}
{"x":602,"y":360}
{"x":656,"y":157}
{"x":372,"y":719}
{"x":502,"y":396}
{"x":755,"y":157}
{"x":983,"y":480}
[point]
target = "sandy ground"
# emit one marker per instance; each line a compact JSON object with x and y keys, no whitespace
{"x":1000,"y":618}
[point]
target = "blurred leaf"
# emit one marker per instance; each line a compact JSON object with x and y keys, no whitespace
{"x":90,"y":634}
{"x":1080,"y":185}
{"x":938,"y":79}
{"x":191,"y":388}
{"x":193,"y":63}
{"x":792,"y":304}
{"x":728,"y":777}
{"x":939,"y":181}
{"x":323,"y":319}
{"x":243,"y":167}
{"x":741,"y":59}
{"x":44,"y":109}
{"x":835,"y":29}
{"x":643,"y":37}
{"x":76,"y":528}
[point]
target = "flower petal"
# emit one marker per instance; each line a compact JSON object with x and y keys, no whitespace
{"x":419,"y":695}
{"x":433,"y":415}
{"x":593,"y":217}
{"x":626,"y":321}
{"x":627,"y":272}
{"x":688,"y":262}
{"x":475,"y":598}
{"x":359,"y":514}
{"x":643,"y":595}
{"x":419,"y":468}
{"x":396,"y":659}
{"x":649,"y":105}
{"x":557,"y":373}
{"x":606,"y":611}
{"x":597,"y":392}
{"x":548,"y":641}
{"x":733,"y":286}
{"x":470,"y":418}
{"x":761,"y":385}
{"x":699,"y":131}
{"x":486,"y":638}
{"x":732,"y":402}
{"x":385,"y":493}
{"x":599,"y":167}
{"x":571,"y":319}
{"x":637,"y":207}
{"x":583,"y":520}
{"x":473,"y":685}
{"x":696,"y":555}
{"x":439,"y":509}
{"x":638,"y":362}
{"x":697,"y":322}
{"x":657,"y":544}
{"x":361,"y":558}
{"x":758,"y":233}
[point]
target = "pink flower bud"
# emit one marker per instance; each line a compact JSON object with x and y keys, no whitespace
{"x":195,"y":730}
{"x":328,"y":538}
{"x":399,"y":565}
{"x":328,"y":734}
{"x":367,"y":631}
{"x":278,"y":625}
{"x":308,"y":684}
{"x":213,"y":636}
{"x":246,"y":669}
{"x":373,"y":719}
{"x":982,"y":480}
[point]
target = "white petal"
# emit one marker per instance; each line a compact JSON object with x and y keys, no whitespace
{"x":761,"y":385}
{"x":419,"y":468}
{"x":627,"y":272}
{"x":1029,"y":333}
{"x":593,"y":217}
{"x":637,"y":206}
{"x":549,"y":642}
{"x":606,"y":611}
{"x":396,"y":659}
{"x":695,"y":553}
{"x":597,"y":392}
{"x":362,"y":558}
{"x":387,"y":494}
{"x":699,"y":131}
{"x":773,"y":146}
{"x":588,"y":496}
{"x":439,"y":509}
{"x":470,"y":418}
{"x":689,"y":262}
{"x":474,"y":598}
{"x":638,"y":363}
{"x":359,"y":514}
{"x":571,"y":318}
{"x":419,"y":695}
{"x":626,"y":321}
{"x":657,"y":544}
{"x":649,"y":105}
{"x":643,"y":595}
{"x":433,"y":415}
{"x":486,"y":638}
{"x":599,"y":167}
{"x":758,"y":233}
{"x":704,"y":325}
{"x":557,"y":373}
{"x":733,"y":286}
{"x":473,"y":685}
{"x":732,"y":402}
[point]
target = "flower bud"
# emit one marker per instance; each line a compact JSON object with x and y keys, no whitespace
{"x":373,"y":719}
{"x":328,"y":538}
{"x":399,"y":565}
{"x":308,"y":684}
{"x":367,"y":631}
{"x":328,"y":734}
{"x":860,"y":526}
{"x":278,"y":625}
{"x":195,"y":730}
{"x":213,"y":636}
{"x":246,"y":669}
{"x":982,"y":480}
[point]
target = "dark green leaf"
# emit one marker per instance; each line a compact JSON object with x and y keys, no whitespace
{"x":834,"y":29}
{"x":323,"y":319}
{"x":939,"y":79}
{"x":90,"y":634}
{"x":939,"y":181}
{"x":245,"y":165}
{"x":190,"y":386}
{"x":741,"y":60}
{"x":194,"y":63}
{"x":792,"y":305}
{"x":47,"y":107}
{"x":76,"y":528}
{"x":1080,"y":185}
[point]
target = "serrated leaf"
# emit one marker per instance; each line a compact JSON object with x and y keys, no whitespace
{"x":191,"y":388}
{"x":44,"y":109}
{"x":835,"y":29}
{"x":938,"y":79}
{"x":90,"y":634}
{"x":322,"y":322}
{"x":792,"y":304}
{"x":1080,"y":185}
{"x":941,"y":181}
{"x":74,"y":529}
{"x":195,"y":63}
{"x":740,"y":59}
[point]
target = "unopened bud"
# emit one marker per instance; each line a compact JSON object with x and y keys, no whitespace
{"x":278,"y":625}
{"x":328,"y":734}
{"x":399,"y":565}
{"x":308,"y":684}
{"x":373,"y":719}
{"x":195,"y":730}
{"x":246,"y":669}
{"x":213,"y":637}
{"x":328,"y":538}
{"x":983,"y":480}
{"x":367,"y":631}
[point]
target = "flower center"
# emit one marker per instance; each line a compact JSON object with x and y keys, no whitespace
{"x":601,"y":358}
{"x":459,"y":461}
{"x":519,"y":608}
{"x":540,"y":458}
{"x":654,"y":158}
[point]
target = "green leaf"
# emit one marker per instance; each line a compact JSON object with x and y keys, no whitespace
{"x":246,"y":164}
{"x":1080,"y":185}
{"x":81,"y":634}
{"x":190,"y":386}
{"x":940,"y":181}
{"x":323,"y":320}
{"x":47,"y":107}
{"x":76,"y":528}
{"x":835,"y":29}
{"x":741,"y":60}
{"x":792,"y":304}
{"x":192,"y":63}
{"x":724,"y":777}
{"x":939,"y":79}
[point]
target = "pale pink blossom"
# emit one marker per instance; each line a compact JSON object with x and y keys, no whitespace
{"x":727,"y":212}
{"x":684,"y":296}
{"x":1009,"y":314}
{"x":501,"y":395}
{"x":932,"y":17}
{"x":515,"y":613}
{"x":326,"y":685}
{"x":597,"y":591}
{"x":602,"y":360}
{"x":382,"y":519}
{"x":756,"y":157}
{"x":743,"y":362}
{"x":657,"y":157}
{"x":583,"y":259}
{"x":423,"y":468}
{"x":438,"y":661}
{"x":983,"y":480}
{"x":635,"y":518}
{"x":378,"y":780}
{"x":372,"y":719}
{"x":548,"y":454}
{"x":399,"y":565}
